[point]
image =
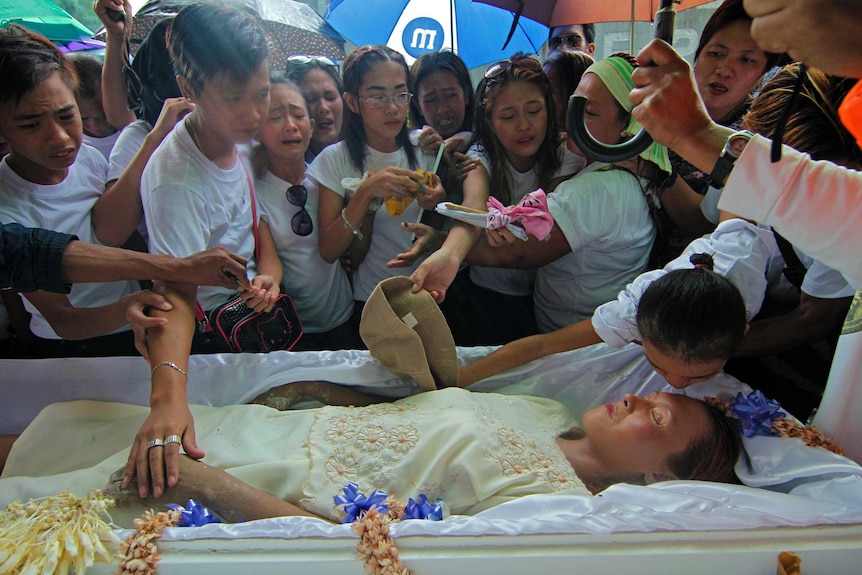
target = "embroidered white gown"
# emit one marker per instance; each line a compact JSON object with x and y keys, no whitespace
{"x":473,"y":450}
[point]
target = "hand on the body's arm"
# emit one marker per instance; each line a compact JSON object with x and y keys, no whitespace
{"x":669,"y":107}
{"x":427,"y":239}
{"x":822,"y":33}
{"x":159,"y":465}
{"x":169,"y":347}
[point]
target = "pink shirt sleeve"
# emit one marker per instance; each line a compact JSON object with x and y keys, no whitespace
{"x":816,"y":205}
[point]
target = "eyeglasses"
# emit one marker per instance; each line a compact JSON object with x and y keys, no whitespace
{"x":499,"y":68}
{"x":570,"y":40}
{"x":300,"y":223}
{"x":378,"y":102}
{"x":306,"y":59}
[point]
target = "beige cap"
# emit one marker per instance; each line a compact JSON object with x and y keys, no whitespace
{"x":408,"y":334}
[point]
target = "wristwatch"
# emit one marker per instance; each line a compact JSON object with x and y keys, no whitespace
{"x":733,"y":147}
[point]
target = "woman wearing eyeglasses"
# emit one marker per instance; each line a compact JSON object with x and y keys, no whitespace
{"x":370,"y":176}
{"x":320,"y":82}
{"x":288,"y":202}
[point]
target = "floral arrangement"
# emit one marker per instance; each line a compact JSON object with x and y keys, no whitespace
{"x":759,"y":415}
{"x":53,"y":534}
{"x":140,"y":554}
{"x":371,"y":517}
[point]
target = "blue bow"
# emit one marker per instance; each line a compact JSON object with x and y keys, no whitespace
{"x":422,"y":509}
{"x":356,"y":504}
{"x":755,"y":413}
{"x":194,"y":514}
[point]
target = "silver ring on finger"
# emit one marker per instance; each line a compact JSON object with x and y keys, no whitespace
{"x":156,"y":443}
{"x":173,"y":439}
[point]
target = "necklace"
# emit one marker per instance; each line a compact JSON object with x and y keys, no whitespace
{"x":191,"y":129}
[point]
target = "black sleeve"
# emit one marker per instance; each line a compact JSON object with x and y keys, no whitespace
{"x":32,"y":259}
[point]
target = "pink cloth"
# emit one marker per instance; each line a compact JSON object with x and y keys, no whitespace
{"x":531,"y":213}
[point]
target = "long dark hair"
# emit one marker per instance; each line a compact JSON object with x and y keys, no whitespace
{"x":356,"y":66}
{"x":443,"y":61}
{"x":712,"y":456}
{"x":549,"y":156}
{"x":695,"y":313}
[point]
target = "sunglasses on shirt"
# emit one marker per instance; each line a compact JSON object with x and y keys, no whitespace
{"x":300,"y":223}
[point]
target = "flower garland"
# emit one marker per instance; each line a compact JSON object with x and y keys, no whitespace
{"x":53,"y":534}
{"x":140,"y":554}
{"x":759,"y":415}
{"x":371,"y":517}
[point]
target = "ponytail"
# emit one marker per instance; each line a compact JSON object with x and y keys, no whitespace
{"x":695,"y":313}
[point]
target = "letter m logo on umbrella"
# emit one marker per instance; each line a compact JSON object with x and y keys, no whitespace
{"x":474,"y":31}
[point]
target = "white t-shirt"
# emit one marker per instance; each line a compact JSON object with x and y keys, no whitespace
{"x":605,"y":218}
{"x":388,"y":239}
{"x":320,"y":290}
{"x":821,"y":281}
{"x":129,"y":141}
{"x":103,"y":145}
{"x":511,"y":281}
{"x":191,"y":205}
{"x":742,"y":252}
{"x":63,"y":207}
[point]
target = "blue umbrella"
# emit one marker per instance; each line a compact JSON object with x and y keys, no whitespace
{"x":414,"y":27}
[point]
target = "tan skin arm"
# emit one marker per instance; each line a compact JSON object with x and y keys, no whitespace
{"x":518,"y":254}
{"x":232,"y":499}
{"x":113,"y":82}
{"x":390,"y":181}
{"x":85,"y":262}
{"x":527,"y":349}
{"x":437,"y":272}
{"x":73,"y":323}
{"x":169,"y":410}
{"x":812,"y":319}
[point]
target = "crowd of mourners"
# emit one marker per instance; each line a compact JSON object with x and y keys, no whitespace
{"x":161,"y":154}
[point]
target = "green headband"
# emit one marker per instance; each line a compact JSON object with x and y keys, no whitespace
{"x":616,"y":75}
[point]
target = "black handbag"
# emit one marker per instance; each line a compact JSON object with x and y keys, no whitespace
{"x":241,"y":329}
{"x":238,"y":328}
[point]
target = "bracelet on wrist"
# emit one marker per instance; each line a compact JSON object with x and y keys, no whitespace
{"x":171,"y":365}
{"x":347,"y":225}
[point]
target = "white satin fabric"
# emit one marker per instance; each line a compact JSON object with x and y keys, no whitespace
{"x":788,"y":484}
